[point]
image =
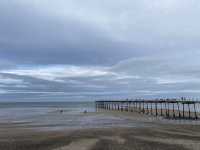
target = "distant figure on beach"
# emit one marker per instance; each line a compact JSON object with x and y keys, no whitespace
{"x":61,"y":111}
{"x":85,"y":112}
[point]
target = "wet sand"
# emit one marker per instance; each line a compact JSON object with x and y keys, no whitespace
{"x":153,"y":134}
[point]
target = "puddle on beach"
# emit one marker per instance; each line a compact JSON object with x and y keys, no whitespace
{"x":80,"y":121}
{"x":55,"y":120}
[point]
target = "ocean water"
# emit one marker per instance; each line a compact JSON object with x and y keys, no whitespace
{"x":48,"y":116}
{"x":23,"y":110}
{"x":44,"y":114}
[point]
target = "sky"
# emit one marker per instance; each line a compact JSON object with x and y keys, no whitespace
{"x":75,"y":50}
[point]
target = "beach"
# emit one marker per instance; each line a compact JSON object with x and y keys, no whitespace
{"x":99,"y":75}
{"x":102,"y":130}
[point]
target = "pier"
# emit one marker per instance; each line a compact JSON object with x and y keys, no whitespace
{"x":167,"y":108}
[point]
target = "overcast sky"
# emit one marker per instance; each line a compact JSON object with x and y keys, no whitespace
{"x":65,"y":50}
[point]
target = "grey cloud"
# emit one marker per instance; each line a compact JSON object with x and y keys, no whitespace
{"x":141,"y":77}
{"x":119,"y":49}
{"x":30,"y":36}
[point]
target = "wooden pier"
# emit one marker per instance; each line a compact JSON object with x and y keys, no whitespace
{"x":167,"y":108}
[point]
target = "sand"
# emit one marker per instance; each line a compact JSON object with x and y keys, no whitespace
{"x":82,"y":144}
{"x":156,"y":135}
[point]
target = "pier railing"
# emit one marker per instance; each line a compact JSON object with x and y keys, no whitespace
{"x":168,"y":108}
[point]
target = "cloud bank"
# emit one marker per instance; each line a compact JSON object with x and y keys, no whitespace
{"x":86,"y":50}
